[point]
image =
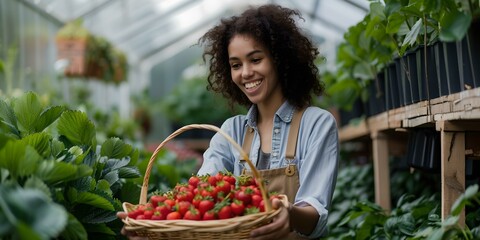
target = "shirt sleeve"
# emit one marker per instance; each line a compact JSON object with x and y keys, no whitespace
{"x":318,"y":168}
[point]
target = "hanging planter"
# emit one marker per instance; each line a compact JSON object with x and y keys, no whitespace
{"x":72,"y":43}
{"x":89,"y":56}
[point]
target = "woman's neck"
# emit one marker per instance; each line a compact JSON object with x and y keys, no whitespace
{"x":266,"y":111}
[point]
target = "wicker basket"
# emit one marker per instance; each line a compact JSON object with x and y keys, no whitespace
{"x":232,"y":228}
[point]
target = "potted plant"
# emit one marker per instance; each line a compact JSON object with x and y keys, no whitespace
{"x":90,"y":55}
{"x":73,"y":42}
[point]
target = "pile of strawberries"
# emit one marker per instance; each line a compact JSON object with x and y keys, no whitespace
{"x":206,"y":197}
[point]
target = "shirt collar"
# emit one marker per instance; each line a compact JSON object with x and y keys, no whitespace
{"x":285,"y":113}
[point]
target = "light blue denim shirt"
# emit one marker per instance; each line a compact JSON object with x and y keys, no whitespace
{"x":316,"y":154}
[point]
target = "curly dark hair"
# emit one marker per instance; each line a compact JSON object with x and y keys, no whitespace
{"x":293,"y":53}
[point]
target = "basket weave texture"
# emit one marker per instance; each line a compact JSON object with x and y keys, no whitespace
{"x":232,"y":228}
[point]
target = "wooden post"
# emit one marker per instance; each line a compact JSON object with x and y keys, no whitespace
{"x":381,"y":169}
{"x":452,"y":137}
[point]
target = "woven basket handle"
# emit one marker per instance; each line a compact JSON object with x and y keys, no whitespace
{"x":256,"y":174}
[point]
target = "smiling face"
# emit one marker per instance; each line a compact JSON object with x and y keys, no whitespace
{"x":253,"y":71}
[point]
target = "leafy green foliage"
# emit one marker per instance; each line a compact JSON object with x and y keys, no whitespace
{"x":29,"y":214}
{"x":190,"y":102}
{"x":49,"y":157}
{"x":390,"y":29}
{"x":417,"y":211}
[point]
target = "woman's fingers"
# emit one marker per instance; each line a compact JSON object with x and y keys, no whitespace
{"x":278,"y":228}
{"x":121,"y":215}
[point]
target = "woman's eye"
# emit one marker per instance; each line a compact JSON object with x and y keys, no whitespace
{"x":256,"y":60}
{"x":235,"y":66}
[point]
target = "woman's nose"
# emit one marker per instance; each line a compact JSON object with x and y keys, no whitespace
{"x":247,"y":71}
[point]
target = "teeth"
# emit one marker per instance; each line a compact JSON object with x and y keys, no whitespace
{"x":252,"y":84}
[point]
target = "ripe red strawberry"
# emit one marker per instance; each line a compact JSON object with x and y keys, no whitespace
{"x":155,"y":199}
{"x":225,"y":212}
{"x":230,"y":178}
{"x":158,"y":216}
{"x":256,"y":199}
{"x":183,"y":206}
{"x":164,"y":209}
{"x":192,"y":214}
{"x":244,"y":195}
{"x":194,"y":180}
{"x":224,"y":187}
{"x":209,"y":215}
{"x":174,"y":216}
{"x":237,"y":207}
{"x":205,"y":205}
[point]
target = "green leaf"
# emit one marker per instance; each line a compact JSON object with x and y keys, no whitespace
{"x":100,"y":228}
{"x":112,"y":177}
{"x":377,"y":9}
{"x":99,"y":216}
{"x":460,"y":202}
{"x":27,"y":109}
{"x":56,"y":147}
{"x":412,"y":35}
{"x":48,"y":116}
{"x":129,"y":172}
{"x":7,"y":114}
{"x":89,"y":198}
{"x":34,"y":182}
{"x":395,"y":21}
{"x":53,"y":172}
{"x":19,"y":159}
{"x":40,"y":141}
{"x":454,"y":26}
{"x":26,"y":232}
{"x":104,"y":185}
{"x":115,"y":148}
{"x":74,"y":230}
{"x":77,"y":128}
{"x":45,"y":217}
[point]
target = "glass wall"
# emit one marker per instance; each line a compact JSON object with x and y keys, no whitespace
{"x":27,"y":49}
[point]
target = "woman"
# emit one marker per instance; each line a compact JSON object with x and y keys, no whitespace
{"x":261,"y":59}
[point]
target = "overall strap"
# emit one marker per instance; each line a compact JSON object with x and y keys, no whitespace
{"x":292,"y":136}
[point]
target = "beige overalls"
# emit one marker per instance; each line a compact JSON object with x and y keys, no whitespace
{"x":283,"y":180}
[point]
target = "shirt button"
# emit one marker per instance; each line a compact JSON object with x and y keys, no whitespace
{"x":277,"y":130}
{"x":274,"y":154}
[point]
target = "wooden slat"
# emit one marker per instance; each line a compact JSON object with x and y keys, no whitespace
{"x":378,"y":122}
{"x":351,"y":132}
{"x":452,"y":170}
{"x":458,"y":126}
{"x":381,"y":170}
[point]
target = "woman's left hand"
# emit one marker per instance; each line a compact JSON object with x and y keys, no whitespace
{"x":278,"y":228}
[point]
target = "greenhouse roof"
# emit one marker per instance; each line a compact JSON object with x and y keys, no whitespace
{"x":151,"y":31}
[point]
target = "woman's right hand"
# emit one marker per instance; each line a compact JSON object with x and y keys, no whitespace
{"x":125,"y":232}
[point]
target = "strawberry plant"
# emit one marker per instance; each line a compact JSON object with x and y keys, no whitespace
{"x":50,"y":156}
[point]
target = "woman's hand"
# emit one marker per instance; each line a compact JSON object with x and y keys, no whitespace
{"x":278,"y":228}
{"x":130,"y":235}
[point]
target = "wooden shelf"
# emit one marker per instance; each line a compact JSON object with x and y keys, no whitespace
{"x":459,"y":106}
{"x":453,"y":116}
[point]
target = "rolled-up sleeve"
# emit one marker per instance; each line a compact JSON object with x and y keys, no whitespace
{"x":318,"y":167}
